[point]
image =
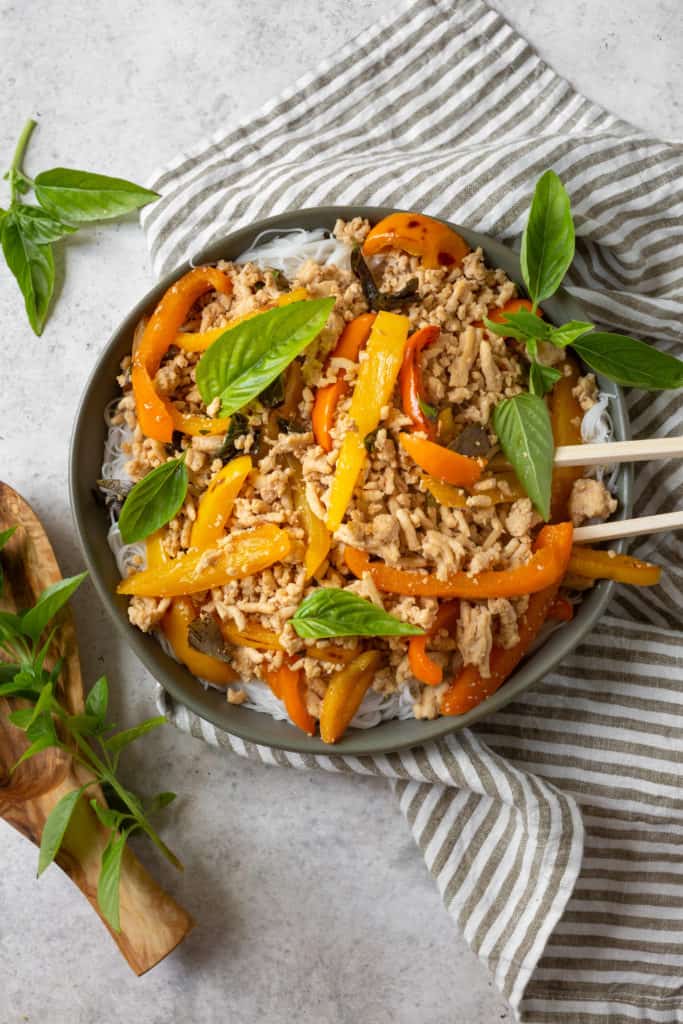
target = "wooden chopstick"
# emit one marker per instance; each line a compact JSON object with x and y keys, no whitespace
{"x":629,"y":528}
{"x":619,"y":451}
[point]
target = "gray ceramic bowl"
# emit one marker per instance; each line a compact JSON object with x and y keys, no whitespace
{"x":91,"y":524}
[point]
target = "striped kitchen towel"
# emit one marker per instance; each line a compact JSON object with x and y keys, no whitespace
{"x":555,"y":829}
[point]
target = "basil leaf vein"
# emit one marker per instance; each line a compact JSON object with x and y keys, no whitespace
{"x":525,"y":433}
{"x":548,"y":239}
{"x":241,"y":363}
{"x":627,"y":361}
{"x":331,"y":612}
{"x":153,"y":501}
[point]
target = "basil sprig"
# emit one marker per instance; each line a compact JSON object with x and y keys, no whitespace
{"x":68,"y":199}
{"x":331,"y":612}
{"x":244,"y":360}
{"x":522,"y":423}
{"x":154,"y":500}
{"x":25,"y":642}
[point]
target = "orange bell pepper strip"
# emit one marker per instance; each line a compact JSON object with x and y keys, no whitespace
{"x":419,"y":235}
{"x":546,"y":567}
{"x":352,"y":339}
{"x":410,"y":379}
{"x":200,"y":341}
{"x":565,"y":417}
{"x":606,"y":565}
{"x":442,"y":463}
{"x":216,"y":504}
{"x":252,"y":635}
{"x":445,"y":494}
{"x":289,"y":685}
{"x":421,"y":665}
{"x":234,"y":558}
{"x":561,"y":610}
{"x":377,"y":377}
{"x":175,"y":625}
{"x":470,"y":688}
{"x":155,"y":414}
{"x":344,"y":694}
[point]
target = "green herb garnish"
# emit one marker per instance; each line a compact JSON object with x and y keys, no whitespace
{"x":522,"y":423}
{"x":331,"y":612}
{"x":87,"y":738}
{"x":154,"y":500}
{"x":68,"y":199}
{"x":241,"y":364}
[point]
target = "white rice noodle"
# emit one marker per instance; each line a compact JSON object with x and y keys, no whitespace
{"x":287,"y":253}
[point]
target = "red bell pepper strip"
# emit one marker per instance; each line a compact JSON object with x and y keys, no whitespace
{"x":289,"y":686}
{"x":410,"y":379}
{"x":421,"y":665}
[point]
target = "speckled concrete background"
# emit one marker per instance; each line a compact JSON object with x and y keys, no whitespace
{"x":313,"y":905}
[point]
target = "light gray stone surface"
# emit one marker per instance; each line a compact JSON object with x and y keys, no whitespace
{"x":313,"y":905}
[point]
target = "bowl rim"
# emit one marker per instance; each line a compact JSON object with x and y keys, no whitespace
{"x":255,"y":726}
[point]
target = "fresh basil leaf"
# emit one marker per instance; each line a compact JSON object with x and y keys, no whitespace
{"x":55,"y":827}
{"x":542,"y":379}
{"x":97,"y":701}
{"x":84,"y":725}
{"x":153,"y":501}
{"x":329,"y":611}
{"x":532,"y":347}
{"x":158,"y":802}
{"x":39,"y":225}
{"x":629,"y":362}
{"x":14,"y":687}
{"x":274,"y":394}
{"x":42,"y":743}
{"x":34,"y":621}
{"x":33,"y":267}
{"x":523,"y":427}
{"x":520,"y":325}
{"x":109,"y":880}
{"x":79,"y":196}
{"x":566,"y":334}
{"x":21,"y":718}
{"x":5,"y":535}
{"x":116,"y":743}
{"x":430,"y":411}
{"x":10,"y":626}
{"x":109,"y":818}
{"x":248,"y":357}
{"x":548,"y":239}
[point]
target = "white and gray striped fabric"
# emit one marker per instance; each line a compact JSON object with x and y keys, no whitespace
{"x":555,"y":830}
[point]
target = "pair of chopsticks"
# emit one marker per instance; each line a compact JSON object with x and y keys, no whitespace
{"x":616,"y":452}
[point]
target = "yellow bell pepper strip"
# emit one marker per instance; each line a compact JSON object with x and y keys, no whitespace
{"x":546,"y":567}
{"x":421,"y":665}
{"x":351,"y":341}
{"x":593,"y":564}
{"x":437,"y":244}
{"x":344,"y":694}
{"x":175,"y":625}
{"x":156,"y":552}
{"x":154,"y":413}
{"x":200,"y":341}
{"x":412,"y":390}
{"x":441,"y":463}
{"x":252,"y":635}
{"x":375,"y":383}
{"x":470,"y":688}
{"x":234,"y":558}
{"x":317,"y":535}
{"x":216,"y":504}
{"x":290,"y":686}
{"x":565,"y":417}
{"x":332,"y":653}
{"x":445,"y":494}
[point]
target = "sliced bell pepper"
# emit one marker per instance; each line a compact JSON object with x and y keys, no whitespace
{"x":351,"y":341}
{"x":412,"y":390}
{"x":470,"y":688}
{"x":344,"y":694}
{"x":290,"y":686}
{"x":154,"y":413}
{"x":434,"y":241}
{"x":440,"y":462}
{"x":333,"y":653}
{"x":565,"y":416}
{"x":594,"y":564}
{"x":376,"y":380}
{"x":421,"y":665}
{"x":546,"y":566}
{"x":445,"y":494}
{"x":561,"y":610}
{"x":252,"y":635}
{"x":317,"y":535}
{"x":200,"y":341}
{"x":175,"y":625}
{"x":156,"y":552}
{"x":234,"y":559}
{"x":216,"y":504}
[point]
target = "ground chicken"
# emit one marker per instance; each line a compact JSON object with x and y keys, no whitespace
{"x":590,"y":499}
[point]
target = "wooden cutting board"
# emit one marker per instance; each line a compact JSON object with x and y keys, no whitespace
{"x":152,"y":923}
